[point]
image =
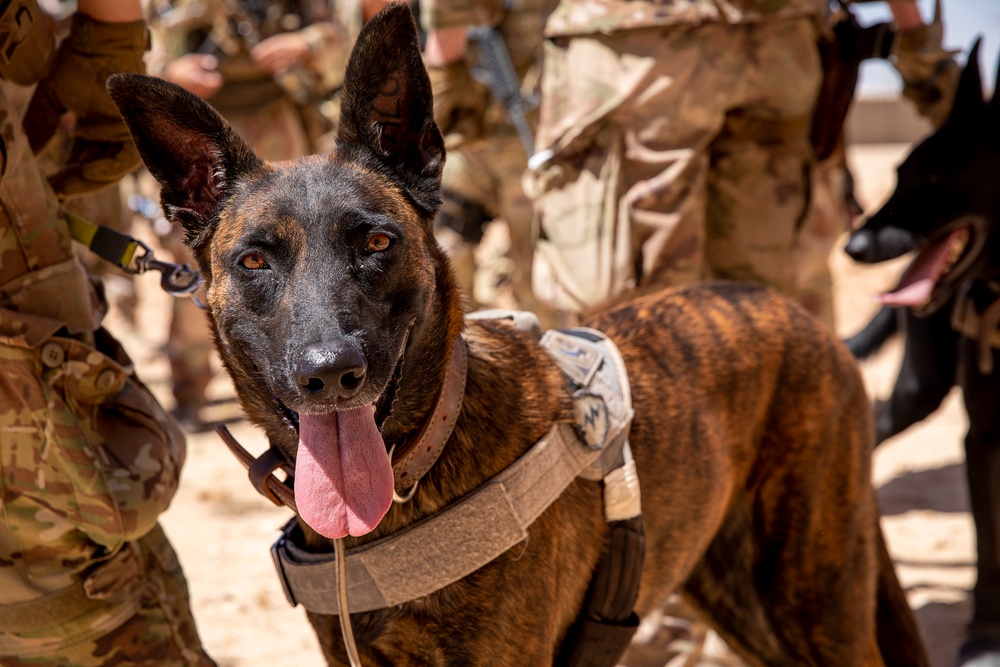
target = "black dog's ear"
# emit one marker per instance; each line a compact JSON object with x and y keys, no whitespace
{"x":185,"y":144}
{"x":969,"y":101}
{"x":995,"y":100}
{"x":387,"y":106}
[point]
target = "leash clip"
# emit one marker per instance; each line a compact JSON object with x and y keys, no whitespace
{"x":177,"y":279}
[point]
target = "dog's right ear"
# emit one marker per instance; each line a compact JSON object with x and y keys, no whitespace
{"x":387,"y":108}
{"x":969,"y":101}
{"x":994,"y":104}
{"x":185,"y":144}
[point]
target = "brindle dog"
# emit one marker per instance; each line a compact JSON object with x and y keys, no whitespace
{"x":330,"y":298}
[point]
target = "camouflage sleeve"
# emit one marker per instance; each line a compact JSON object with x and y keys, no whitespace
{"x":929,"y":71}
{"x":39,"y":273}
{"x":166,"y":43}
{"x":441,"y":14}
{"x":585,"y":17}
{"x":329,"y":47}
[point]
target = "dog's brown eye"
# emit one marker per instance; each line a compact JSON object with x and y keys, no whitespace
{"x":253,"y":261}
{"x":379,"y":242}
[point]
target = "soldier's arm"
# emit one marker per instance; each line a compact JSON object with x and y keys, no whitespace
{"x":929,"y":71}
{"x":906,"y":14}
{"x":322,"y":46}
{"x":111,"y":11}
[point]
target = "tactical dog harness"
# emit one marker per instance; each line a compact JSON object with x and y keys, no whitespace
{"x":473,"y":531}
{"x":983,"y":328}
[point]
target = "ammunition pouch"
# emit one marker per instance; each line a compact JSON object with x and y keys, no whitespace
{"x":842,"y":48}
{"x":27,"y":42}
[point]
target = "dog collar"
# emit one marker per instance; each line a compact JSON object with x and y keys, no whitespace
{"x":414,"y":459}
{"x":415,"y":456}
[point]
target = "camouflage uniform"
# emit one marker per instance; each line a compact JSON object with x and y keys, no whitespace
{"x":483,"y":173}
{"x":261,"y":111}
{"x":88,"y":459}
{"x":673,"y":144}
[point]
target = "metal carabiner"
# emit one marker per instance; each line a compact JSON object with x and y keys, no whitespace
{"x":177,"y":279}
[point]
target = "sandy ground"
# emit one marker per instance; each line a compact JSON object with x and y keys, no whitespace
{"x":222,"y":529}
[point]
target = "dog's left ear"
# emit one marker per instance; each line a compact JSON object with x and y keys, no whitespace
{"x":185,"y":144}
{"x":968,"y":104}
{"x":995,"y":100}
{"x":388,"y":108}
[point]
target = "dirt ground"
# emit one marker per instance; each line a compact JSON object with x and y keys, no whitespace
{"x":222,"y":529}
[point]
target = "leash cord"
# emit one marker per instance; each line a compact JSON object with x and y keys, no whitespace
{"x":345,"y":616}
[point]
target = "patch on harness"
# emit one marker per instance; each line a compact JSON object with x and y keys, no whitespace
{"x":591,"y":419}
{"x":602,"y":402}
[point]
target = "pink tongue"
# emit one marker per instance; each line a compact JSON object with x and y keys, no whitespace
{"x":917,"y":283}
{"x":913,"y":294}
{"x":343,"y":476}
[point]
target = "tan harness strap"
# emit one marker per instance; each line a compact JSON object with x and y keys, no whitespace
{"x":984,"y":329}
{"x":417,"y":562}
{"x":44,"y":612}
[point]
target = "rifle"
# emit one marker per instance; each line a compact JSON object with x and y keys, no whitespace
{"x":502,"y":79}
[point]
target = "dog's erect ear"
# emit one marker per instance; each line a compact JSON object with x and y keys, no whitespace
{"x":185,"y":144}
{"x":995,"y":100}
{"x":387,"y":105}
{"x":969,"y":101}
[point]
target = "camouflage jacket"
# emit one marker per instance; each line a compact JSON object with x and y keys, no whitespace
{"x":582,"y":17}
{"x":39,"y":273}
{"x":88,"y":458}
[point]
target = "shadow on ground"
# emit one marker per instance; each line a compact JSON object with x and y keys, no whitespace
{"x":937,"y":490}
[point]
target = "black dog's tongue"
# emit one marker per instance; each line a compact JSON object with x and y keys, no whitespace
{"x":916,"y":285}
{"x":343,"y":476}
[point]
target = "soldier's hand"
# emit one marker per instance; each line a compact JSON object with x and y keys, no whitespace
{"x":459,"y":103}
{"x":929,"y":72}
{"x":102,"y":150}
{"x":279,"y":52}
{"x":196,"y":72}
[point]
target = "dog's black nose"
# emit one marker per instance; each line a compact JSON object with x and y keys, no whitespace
{"x":860,"y":246}
{"x":325,"y":371}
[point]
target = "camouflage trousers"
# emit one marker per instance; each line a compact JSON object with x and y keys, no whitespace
{"x":670,"y":155}
{"x":147,"y":623}
{"x":830,"y":218}
{"x":88,"y":462}
{"x":487,"y":172}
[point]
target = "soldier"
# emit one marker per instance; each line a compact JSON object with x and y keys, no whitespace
{"x":88,"y":458}
{"x":674,"y":145}
{"x":930,"y":76}
{"x":268,"y":68}
{"x":488,"y":138}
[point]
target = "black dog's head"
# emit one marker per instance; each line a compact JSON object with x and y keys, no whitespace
{"x":322,"y":273}
{"x":946,"y":204}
